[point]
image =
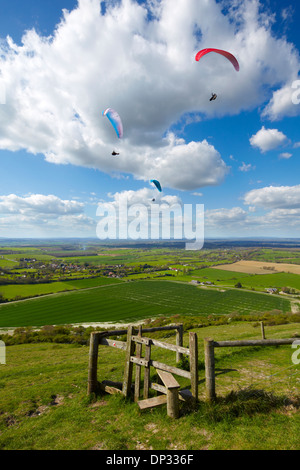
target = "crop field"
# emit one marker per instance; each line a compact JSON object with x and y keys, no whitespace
{"x":132,"y":301}
{"x":260,"y":267}
{"x":32,"y":290}
{"x":261,"y":281}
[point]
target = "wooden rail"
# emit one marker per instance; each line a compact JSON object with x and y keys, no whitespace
{"x":209,"y":351}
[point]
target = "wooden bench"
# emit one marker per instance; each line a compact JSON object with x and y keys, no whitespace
{"x":171,"y":398}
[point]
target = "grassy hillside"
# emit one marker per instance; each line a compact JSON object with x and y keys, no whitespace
{"x":43,"y":402}
{"x":134,"y":301}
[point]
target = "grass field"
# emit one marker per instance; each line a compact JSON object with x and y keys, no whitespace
{"x":30,"y":290}
{"x":129,"y":301}
{"x":43,"y":402}
{"x":260,"y":281}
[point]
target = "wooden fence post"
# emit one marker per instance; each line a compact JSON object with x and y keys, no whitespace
{"x":93,"y":360}
{"x":210,"y":369}
{"x":179,"y":342}
{"x":262,"y":326}
{"x":128,"y":364}
{"x":138,"y":368}
{"x":147,"y":371}
{"x":193,"y":347}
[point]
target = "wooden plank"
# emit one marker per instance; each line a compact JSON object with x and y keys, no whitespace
{"x":168,"y":380}
{"x":254,"y":342}
{"x":140,"y":340}
{"x":161,"y":344}
{"x":158,"y":387}
{"x":173,"y":370}
{"x":161,"y":328}
{"x":145,"y":330}
{"x":139,"y":361}
{"x":171,"y":347}
{"x":152,"y":402}
{"x":111,"y":342}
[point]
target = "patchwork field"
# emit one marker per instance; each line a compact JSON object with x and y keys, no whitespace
{"x":260,"y":267}
{"x":132,"y":301}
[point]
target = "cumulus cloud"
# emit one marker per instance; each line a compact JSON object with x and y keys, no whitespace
{"x":129,"y":56}
{"x":274,"y":197}
{"x":283,"y":103}
{"x":221,"y":217}
{"x":268,"y":139}
{"x":43,"y":215}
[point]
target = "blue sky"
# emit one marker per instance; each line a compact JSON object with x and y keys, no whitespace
{"x":238,"y":155}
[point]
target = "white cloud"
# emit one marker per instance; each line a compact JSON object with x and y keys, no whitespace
{"x":246,"y":167}
{"x":267,"y":139}
{"x":285,"y":155}
{"x":56,"y":87}
{"x":283,"y":103}
{"x":220,"y":217}
{"x":43,"y":215}
{"x":274,"y":197}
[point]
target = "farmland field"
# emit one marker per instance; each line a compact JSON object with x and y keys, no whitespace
{"x":260,"y":267}
{"x":32,"y":290}
{"x":133,"y":301}
{"x":259,"y":281}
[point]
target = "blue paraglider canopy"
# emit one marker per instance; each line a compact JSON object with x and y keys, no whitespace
{"x":157,"y":184}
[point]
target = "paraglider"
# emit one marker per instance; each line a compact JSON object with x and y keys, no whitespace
{"x":115,"y":120}
{"x":226,"y":54}
{"x":213,"y":97}
{"x":157,"y":184}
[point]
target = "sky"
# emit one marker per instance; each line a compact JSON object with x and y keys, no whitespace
{"x":63,"y":62}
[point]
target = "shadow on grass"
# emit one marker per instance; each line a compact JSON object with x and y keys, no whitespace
{"x":244,"y":402}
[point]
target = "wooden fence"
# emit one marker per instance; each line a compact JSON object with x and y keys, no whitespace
{"x":133,"y":348}
{"x":209,"y":350}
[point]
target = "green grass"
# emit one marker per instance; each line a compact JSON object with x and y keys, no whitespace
{"x":259,"y":281}
{"x":128,"y":301}
{"x":43,"y":402}
{"x":30,"y":290}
